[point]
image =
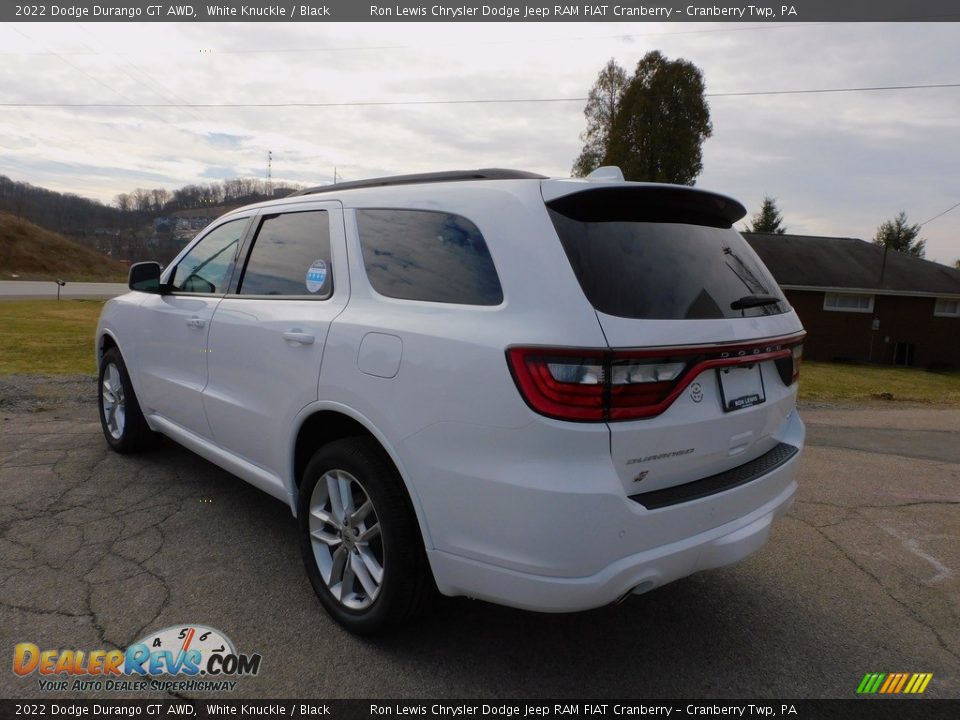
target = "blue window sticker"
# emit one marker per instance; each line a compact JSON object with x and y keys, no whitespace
{"x":316,"y":276}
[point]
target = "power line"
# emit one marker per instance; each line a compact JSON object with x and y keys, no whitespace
{"x":473,"y":101}
{"x":373,"y":103}
{"x":952,"y":207}
{"x":524,"y":42}
{"x":833,"y":90}
{"x":100,"y":82}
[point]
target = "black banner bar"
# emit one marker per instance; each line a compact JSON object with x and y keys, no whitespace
{"x":473,"y":11}
{"x":872,"y":708}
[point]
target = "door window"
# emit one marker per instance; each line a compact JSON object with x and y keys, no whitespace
{"x":206,"y":268}
{"x":290,"y":256}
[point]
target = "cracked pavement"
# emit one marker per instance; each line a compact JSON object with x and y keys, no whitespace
{"x":98,"y":549}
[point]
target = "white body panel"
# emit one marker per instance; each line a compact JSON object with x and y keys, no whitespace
{"x":513,"y":506}
{"x":264,"y":357}
{"x":172,"y":339}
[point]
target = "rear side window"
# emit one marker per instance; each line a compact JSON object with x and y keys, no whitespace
{"x":426,"y":255}
{"x":290,"y":256}
{"x":666,"y":262}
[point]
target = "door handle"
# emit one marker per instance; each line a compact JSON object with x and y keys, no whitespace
{"x":196,"y":323}
{"x":300,"y":338}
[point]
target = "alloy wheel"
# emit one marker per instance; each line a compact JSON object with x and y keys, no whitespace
{"x":346,"y":539}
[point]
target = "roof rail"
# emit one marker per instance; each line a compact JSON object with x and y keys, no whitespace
{"x":435,"y":177}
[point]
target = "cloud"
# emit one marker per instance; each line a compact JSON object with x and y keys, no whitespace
{"x":838,"y":163}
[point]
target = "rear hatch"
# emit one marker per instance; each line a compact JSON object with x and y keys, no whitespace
{"x":704,"y":348}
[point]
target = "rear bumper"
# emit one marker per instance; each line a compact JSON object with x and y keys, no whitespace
{"x":562,"y":535}
{"x":643,"y":571}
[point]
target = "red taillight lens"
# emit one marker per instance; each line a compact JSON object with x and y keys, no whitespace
{"x":601,"y":385}
{"x":638,"y":386}
{"x":565,"y":384}
{"x":592,"y":384}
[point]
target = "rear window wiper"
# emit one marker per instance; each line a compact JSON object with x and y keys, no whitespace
{"x":751,"y":301}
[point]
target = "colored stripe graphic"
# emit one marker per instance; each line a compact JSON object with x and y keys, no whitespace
{"x":894,"y":683}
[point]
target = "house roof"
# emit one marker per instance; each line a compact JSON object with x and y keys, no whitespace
{"x":827,"y":262}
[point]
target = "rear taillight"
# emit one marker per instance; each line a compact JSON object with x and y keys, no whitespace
{"x":565,"y":384}
{"x":789,"y":367}
{"x":604,"y":385}
{"x":796,"y":353}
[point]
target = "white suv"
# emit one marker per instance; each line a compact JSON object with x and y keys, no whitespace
{"x":545,"y":393}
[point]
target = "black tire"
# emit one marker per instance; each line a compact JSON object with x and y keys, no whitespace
{"x":406,"y":584}
{"x":132,"y":434}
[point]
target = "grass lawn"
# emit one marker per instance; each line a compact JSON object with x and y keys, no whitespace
{"x":46,"y":337}
{"x":845,"y":383}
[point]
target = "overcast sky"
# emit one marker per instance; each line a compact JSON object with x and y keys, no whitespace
{"x":838,"y":164}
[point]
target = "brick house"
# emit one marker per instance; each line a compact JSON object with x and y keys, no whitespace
{"x":857,"y":306}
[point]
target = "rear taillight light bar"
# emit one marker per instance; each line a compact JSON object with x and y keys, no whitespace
{"x":589,"y":385}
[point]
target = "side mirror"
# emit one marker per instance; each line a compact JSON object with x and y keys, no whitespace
{"x":145,"y":277}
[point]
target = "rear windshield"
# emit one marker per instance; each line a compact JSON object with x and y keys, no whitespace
{"x":670,"y":269}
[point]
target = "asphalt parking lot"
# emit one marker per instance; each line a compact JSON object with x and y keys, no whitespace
{"x":97,"y":549}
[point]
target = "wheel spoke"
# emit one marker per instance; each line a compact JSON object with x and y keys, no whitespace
{"x":336,"y":570}
{"x":370,"y":584}
{"x":371,"y":563}
{"x":361,"y":513}
{"x":108,"y":392}
{"x":324,"y":517}
{"x":349,"y":580}
{"x":336,"y":501}
{"x":327,"y":538}
{"x":346,"y":496}
{"x":370,"y":533}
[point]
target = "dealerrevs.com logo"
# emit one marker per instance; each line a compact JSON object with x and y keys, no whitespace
{"x":201,"y":658}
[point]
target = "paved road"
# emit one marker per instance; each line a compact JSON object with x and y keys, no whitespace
{"x":862,"y":576}
{"x":19,"y":289}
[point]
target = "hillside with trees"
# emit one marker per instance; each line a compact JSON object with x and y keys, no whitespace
{"x":30,"y":252}
{"x":144,"y":224}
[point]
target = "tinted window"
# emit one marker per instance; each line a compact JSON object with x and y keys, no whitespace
{"x":206,"y":268}
{"x":290,"y":256}
{"x":665,"y":270}
{"x":422,"y":255}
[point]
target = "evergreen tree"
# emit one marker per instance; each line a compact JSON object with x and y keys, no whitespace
{"x":768,"y":219}
{"x":898,"y":234}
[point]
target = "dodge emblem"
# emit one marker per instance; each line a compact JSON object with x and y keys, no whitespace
{"x":696,"y":392}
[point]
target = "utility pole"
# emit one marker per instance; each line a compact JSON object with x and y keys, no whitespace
{"x":334,"y":174}
{"x":269,"y":173}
